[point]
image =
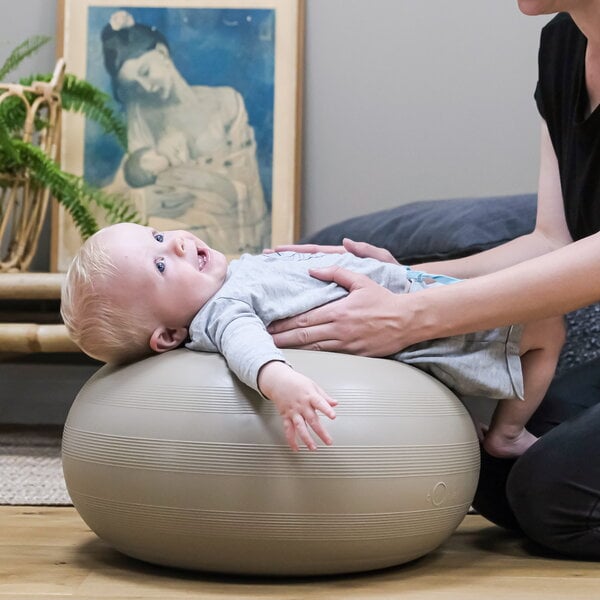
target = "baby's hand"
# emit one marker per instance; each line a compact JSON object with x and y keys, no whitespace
{"x":297,"y":399}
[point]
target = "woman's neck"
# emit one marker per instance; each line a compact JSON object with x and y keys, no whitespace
{"x":183,"y":92}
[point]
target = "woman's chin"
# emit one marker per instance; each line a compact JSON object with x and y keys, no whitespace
{"x":533,"y":8}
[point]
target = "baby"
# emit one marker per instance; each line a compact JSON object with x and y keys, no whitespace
{"x":132,"y":290}
{"x":143,"y":167}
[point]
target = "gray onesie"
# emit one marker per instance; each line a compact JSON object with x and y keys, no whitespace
{"x":264,"y":288}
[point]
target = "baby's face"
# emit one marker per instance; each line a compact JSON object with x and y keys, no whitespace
{"x":170,"y":275}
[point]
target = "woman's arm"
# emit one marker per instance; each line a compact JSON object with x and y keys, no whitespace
{"x":548,"y":285}
{"x":372,"y":321}
{"x":535,"y":276}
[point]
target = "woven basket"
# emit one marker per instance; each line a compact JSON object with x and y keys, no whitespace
{"x":23,"y":204}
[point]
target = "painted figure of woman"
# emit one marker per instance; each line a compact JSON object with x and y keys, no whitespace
{"x":191,"y":158}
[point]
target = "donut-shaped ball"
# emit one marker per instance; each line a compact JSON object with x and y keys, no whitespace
{"x":173,"y":461}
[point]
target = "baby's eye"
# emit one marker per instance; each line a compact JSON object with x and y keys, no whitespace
{"x":160,"y":265}
{"x":159,"y":237}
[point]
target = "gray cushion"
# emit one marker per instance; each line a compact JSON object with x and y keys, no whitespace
{"x":438,"y":229}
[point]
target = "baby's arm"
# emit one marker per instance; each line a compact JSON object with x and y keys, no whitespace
{"x":235,"y":330}
{"x":297,"y":399}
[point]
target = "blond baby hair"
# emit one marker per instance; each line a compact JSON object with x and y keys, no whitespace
{"x":95,"y":321}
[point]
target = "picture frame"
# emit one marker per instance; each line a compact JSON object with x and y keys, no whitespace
{"x":210,"y":91}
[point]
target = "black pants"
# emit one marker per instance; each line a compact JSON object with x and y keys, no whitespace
{"x":552,"y":492}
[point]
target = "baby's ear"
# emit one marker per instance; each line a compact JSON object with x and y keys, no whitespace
{"x":167,"y":338}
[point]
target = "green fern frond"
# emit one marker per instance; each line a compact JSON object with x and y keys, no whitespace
{"x":22,"y":51}
{"x":72,"y":192}
{"x":12,"y":114}
{"x":18,"y":158}
{"x":80,"y":96}
{"x":116,"y":208}
{"x":63,"y":186}
{"x":6,"y":143}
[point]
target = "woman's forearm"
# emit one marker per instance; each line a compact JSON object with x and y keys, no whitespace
{"x":548,"y":285}
{"x":518,"y":250}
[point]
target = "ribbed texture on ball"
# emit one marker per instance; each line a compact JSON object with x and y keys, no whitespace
{"x":173,"y":461}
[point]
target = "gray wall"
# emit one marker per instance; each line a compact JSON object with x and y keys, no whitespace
{"x":404,"y":100}
{"x":409,"y":100}
{"x":27,"y":18}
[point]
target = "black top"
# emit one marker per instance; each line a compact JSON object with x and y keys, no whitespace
{"x":562,"y":100}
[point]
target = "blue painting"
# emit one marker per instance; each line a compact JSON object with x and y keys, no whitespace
{"x":196,"y":89}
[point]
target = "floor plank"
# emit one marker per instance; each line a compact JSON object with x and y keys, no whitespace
{"x":49,"y":553}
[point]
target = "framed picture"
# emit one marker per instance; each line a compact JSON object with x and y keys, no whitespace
{"x":210,"y":93}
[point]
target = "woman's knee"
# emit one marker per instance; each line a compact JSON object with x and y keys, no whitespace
{"x":554,"y":493}
{"x":568,"y":396}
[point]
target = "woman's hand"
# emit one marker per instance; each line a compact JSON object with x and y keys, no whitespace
{"x":368,"y":322}
{"x":360,"y":249}
{"x":364,"y":250}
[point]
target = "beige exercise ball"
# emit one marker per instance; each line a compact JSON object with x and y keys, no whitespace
{"x":171,"y":460}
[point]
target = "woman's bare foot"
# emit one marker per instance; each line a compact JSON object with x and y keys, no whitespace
{"x":503,"y":444}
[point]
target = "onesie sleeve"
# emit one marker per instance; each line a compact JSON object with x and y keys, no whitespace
{"x":240,"y":336}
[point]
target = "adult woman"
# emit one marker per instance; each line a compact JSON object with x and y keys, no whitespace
{"x":552,"y":492}
{"x":191,"y":151}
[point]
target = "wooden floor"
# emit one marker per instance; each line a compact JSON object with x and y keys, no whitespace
{"x":49,"y":553}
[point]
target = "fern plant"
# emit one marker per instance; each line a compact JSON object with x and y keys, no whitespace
{"x":19,"y":156}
